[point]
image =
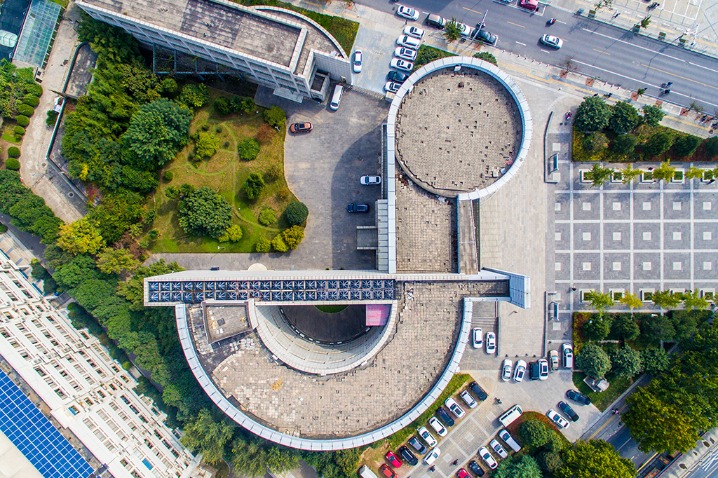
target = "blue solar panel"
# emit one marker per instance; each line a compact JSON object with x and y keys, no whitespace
{"x":38,"y":439}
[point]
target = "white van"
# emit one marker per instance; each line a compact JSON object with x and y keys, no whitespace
{"x":567,"y":352}
{"x":510,"y":415}
{"x":365,"y":472}
{"x":336,"y":97}
{"x":509,"y":440}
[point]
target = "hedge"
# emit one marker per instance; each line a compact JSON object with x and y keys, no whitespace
{"x":12,"y":164}
{"x":13,"y":152}
{"x":31,"y":100}
{"x":22,"y":120}
{"x":18,"y":130}
{"x":25,"y":110}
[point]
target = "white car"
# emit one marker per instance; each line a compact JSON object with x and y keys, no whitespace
{"x":490,"y":343}
{"x":405,"y":53}
{"x":454,"y":407}
{"x":407,"y":12}
{"x":488,"y":459}
{"x":408,"y":42}
{"x":415,"y":32}
{"x":557,"y":419}
{"x":464,"y":29}
{"x":506,"y":368}
{"x":496,"y":446}
{"x":520,"y":371}
{"x":357,"y":59}
{"x":552,"y":41}
{"x":437,"y":426}
{"x":392,"y":86}
{"x":400,"y":64}
{"x":370,"y":180}
{"x":477,"y":338}
{"x":468,"y":399}
{"x":543,"y":369}
{"x":553,"y":357}
{"x":427,"y":437}
{"x":431,"y":457}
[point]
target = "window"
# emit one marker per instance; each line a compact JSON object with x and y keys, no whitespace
{"x":646,"y":295}
{"x":60,"y":393}
{"x":73,"y":410}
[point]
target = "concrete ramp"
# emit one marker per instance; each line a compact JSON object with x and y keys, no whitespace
{"x":467,"y":227}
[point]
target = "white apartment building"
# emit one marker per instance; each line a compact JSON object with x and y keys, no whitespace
{"x":270,"y":46}
{"x":85,"y":389}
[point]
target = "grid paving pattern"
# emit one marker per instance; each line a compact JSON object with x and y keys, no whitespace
{"x":36,"y":35}
{"x":38,"y":439}
{"x":641,"y":237}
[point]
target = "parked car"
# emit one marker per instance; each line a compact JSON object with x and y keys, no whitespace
{"x":555,"y":417}
{"x":454,"y":407}
{"x":437,"y":426}
{"x":506,"y":368}
{"x":408,"y":42}
{"x":477,"y":338}
{"x":578,"y":397}
{"x":553,"y":359}
{"x":568,"y":411}
{"x":509,"y":440}
{"x":436,"y":21}
{"x":393,"y":459}
{"x":534,"y":371}
{"x":396,"y":76}
{"x":357,"y":207}
{"x":431,"y":457}
{"x":552,"y":41}
{"x":370,"y":180}
{"x":490,"y":343}
{"x":415,"y":32}
{"x":567,"y":353}
{"x":461,"y":473}
{"x":488,"y":459}
{"x":543,"y":369}
{"x":427,"y":437}
{"x":407,"y":12}
{"x":392,"y":86}
{"x":444,"y":416}
{"x":417,"y":445}
{"x":478,"y":391}
{"x":400,"y":64}
{"x":305,"y":127}
{"x":485,"y":36}
{"x":405,"y":53}
{"x":476,"y":469}
{"x":357,"y":59}
{"x":386,"y":471}
{"x":531,"y":5}
{"x":496,"y":446}
{"x":408,"y":456}
{"x":468,"y":399}
{"x":519,"y":371}
{"x":464,"y":29}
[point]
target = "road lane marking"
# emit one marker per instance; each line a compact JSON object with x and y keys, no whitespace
{"x":519,"y":43}
{"x":679,"y":76}
{"x":634,"y":45}
{"x":600,"y":52}
{"x":701,"y":66}
{"x":516,"y":25}
{"x":475,"y":11}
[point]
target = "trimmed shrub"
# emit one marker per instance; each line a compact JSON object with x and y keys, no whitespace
{"x":222,"y":106}
{"x":167,"y":176}
{"x":34,"y":89}
{"x":712,"y":146}
{"x":658,"y":143}
{"x":624,"y":144}
{"x":31,"y":100}
{"x":19,"y":131}
{"x":252,"y":188}
{"x":25,"y":110}
{"x":205,"y":145}
{"x":263,"y":245}
{"x":686,"y":145}
{"x":51,"y":118}
{"x":296,"y":213}
{"x":275,"y":116}
{"x":293,"y":236}
{"x":13,"y":152}
{"x":278,"y":244}
{"x":534,"y":433}
{"x":232,"y":234}
{"x":248,"y":149}
{"x":267,"y":216}
{"x":486,"y":56}
{"x":22,"y":120}
{"x":12,"y":164}
{"x":3,"y":228}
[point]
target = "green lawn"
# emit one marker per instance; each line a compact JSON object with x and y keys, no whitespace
{"x":604,"y":399}
{"x":225,"y":173}
{"x":331,"y":309}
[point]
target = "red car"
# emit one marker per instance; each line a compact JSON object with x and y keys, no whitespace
{"x":462,"y":473}
{"x":393,"y":459}
{"x":386,"y":471}
{"x":300,"y":127}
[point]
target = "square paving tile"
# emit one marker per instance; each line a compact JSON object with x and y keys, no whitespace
{"x":646,"y":235}
{"x":676,"y":265}
{"x":646,"y":206}
{"x":617,"y":266}
{"x":587,"y":236}
{"x":586,"y":206}
{"x":677,"y":235}
{"x":646,"y":266}
{"x":617,"y":235}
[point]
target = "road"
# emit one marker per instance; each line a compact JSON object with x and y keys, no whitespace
{"x":595,"y":49}
{"x":707,"y":467}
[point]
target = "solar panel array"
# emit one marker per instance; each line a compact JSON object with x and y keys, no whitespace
{"x":191,"y":292}
{"x":38,"y":439}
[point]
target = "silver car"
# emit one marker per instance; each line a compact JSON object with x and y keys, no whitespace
{"x":370,"y":180}
{"x":488,"y":459}
{"x":454,"y":407}
{"x":490,"y":343}
{"x":427,"y":437}
{"x":468,"y":399}
{"x":405,"y":53}
{"x":400,"y":64}
{"x":506,"y":369}
{"x":554,"y":416}
{"x":477,"y":338}
{"x":496,"y":446}
{"x":520,"y":371}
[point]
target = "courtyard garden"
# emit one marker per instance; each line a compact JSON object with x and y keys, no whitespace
{"x":19,"y":96}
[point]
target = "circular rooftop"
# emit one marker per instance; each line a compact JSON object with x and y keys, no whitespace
{"x":461,"y":127}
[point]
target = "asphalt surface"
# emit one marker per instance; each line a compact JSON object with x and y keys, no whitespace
{"x":601,"y":51}
{"x":708,"y":467}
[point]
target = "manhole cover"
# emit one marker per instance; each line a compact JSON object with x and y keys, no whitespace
{"x":71,"y":195}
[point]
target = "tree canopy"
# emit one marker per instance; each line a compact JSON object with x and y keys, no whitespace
{"x":80,"y":237}
{"x":203,"y":212}
{"x":626,"y":362}
{"x":594,"y":459}
{"x":593,"y":360}
{"x":524,"y":467}
{"x":624,"y":118}
{"x":593,"y":114}
{"x":207,"y":436}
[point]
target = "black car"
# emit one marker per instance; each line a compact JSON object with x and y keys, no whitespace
{"x":534,"y":371}
{"x":397,"y":76}
{"x":485,"y":36}
{"x":478,"y":391}
{"x":357,"y":207}
{"x":568,"y":411}
{"x":475,"y":468}
{"x":444,"y":417}
{"x":417,"y":445}
{"x":578,"y":397}
{"x":408,"y":456}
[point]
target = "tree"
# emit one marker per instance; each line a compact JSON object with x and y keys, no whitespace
{"x":250,"y":457}
{"x":624,"y":144}
{"x":624,"y":118}
{"x":114,"y":261}
{"x":222,"y":106}
{"x":593,"y":114}
{"x":595,"y":143}
{"x":296,"y":213}
{"x":253,"y":186}
{"x":712,"y":146}
{"x":594,"y":459}
{"x":658,"y":426}
{"x":626,"y":362}
{"x":293,"y":236}
{"x":685,"y":324}
{"x":652,"y":115}
{"x":686,"y":145}
{"x":664,"y":172}
{"x":157,"y":131}
{"x":666,"y":299}
{"x":248,"y":149}
{"x":657,"y":328}
{"x":599,"y":300}
{"x":275,"y":117}
{"x":599,"y":175}
{"x":694,"y":173}
{"x":267,"y":216}
{"x":452,"y":30}
{"x":486,"y":56}
{"x":655,"y":360}
{"x":524,"y":467}
{"x":278,"y":244}
{"x":624,"y":327}
{"x":629,"y":174}
{"x":12,"y":164}
{"x":263,"y":245}
{"x":631,"y":300}
{"x":193,"y":95}
{"x":232,"y":234}
{"x":204,"y":212}
{"x":534,"y":433}
{"x":80,"y":237}
{"x":658,"y":143}
{"x":205,"y":145}
{"x":597,"y":327}
{"x":593,"y":360}
{"x":693,"y":300}
{"x":206,"y":436}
